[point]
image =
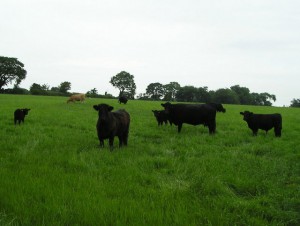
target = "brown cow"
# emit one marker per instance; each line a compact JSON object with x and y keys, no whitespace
{"x":76,"y":97}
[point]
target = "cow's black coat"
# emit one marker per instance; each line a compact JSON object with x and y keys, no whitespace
{"x":263,"y":122}
{"x":19,"y":115}
{"x":111,"y":124}
{"x":161,"y":117}
{"x":194,"y":114}
{"x":123,"y":99}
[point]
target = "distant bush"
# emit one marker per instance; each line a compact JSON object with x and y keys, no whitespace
{"x":16,"y":90}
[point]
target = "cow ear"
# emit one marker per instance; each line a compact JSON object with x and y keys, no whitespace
{"x":96,"y":107}
{"x":242,"y":113}
{"x":110,"y":108}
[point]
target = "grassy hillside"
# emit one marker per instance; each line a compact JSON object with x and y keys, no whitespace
{"x":52,"y":171}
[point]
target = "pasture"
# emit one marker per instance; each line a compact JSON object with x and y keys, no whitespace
{"x":52,"y":171}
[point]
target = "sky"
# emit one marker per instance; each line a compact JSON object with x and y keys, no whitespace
{"x":216,"y":43}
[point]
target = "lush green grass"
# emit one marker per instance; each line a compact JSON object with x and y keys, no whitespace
{"x":52,"y":171}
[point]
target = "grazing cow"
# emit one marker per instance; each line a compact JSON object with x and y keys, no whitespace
{"x":76,"y":97}
{"x":111,"y":124}
{"x":19,"y":115}
{"x":193,"y":114}
{"x":123,"y":99}
{"x":263,"y":121}
{"x":161,"y":117}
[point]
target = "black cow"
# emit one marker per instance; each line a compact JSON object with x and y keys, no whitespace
{"x":263,"y":121}
{"x":111,"y":124}
{"x":19,"y":115}
{"x":161,"y":117}
{"x":193,"y":114}
{"x":123,"y":99}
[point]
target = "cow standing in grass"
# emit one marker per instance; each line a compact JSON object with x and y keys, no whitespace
{"x":161,"y":117}
{"x":263,"y":121}
{"x":123,"y":99}
{"x":76,"y":97}
{"x":111,"y":124}
{"x":193,"y":114}
{"x":19,"y":115}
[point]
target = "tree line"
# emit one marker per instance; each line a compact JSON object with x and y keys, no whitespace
{"x":12,"y":71}
{"x":174,"y":92}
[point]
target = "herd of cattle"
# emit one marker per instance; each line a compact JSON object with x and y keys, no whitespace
{"x":113,"y":124}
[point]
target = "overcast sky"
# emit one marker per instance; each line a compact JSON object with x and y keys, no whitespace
{"x":216,"y":43}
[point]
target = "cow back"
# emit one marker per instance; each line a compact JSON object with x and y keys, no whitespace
{"x":191,"y":113}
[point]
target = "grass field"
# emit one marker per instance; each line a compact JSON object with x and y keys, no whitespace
{"x":52,"y":171}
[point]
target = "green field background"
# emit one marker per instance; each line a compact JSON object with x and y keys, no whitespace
{"x":52,"y":171}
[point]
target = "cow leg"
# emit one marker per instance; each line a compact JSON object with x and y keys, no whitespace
{"x":179,"y":127}
{"x":100,"y":139}
{"x":101,"y":143}
{"x":125,"y":138}
{"x":111,"y":143}
{"x":254,"y":131}
{"x":277,"y":132}
{"x":120,"y":141}
{"x":211,"y":127}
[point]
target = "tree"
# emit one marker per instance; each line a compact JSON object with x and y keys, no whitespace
{"x":11,"y":70}
{"x":55,"y":89}
{"x":37,"y":89}
{"x":187,"y":94}
{"x":202,"y":95}
{"x":125,"y":83}
{"x":262,"y":99}
{"x":243,"y":94}
{"x":295,"y":103}
{"x":92,"y":93}
{"x":64,"y":87}
{"x":155,"y":90}
{"x":171,"y":90}
{"x":225,"y":96}
{"x":16,"y":90}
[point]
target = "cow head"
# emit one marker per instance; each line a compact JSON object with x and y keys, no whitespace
{"x":247,"y":115}
{"x":103,"y":111}
{"x":157,"y":114}
{"x":168,"y":106}
{"x":219,"y":108}
{"x":25,"y":111}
